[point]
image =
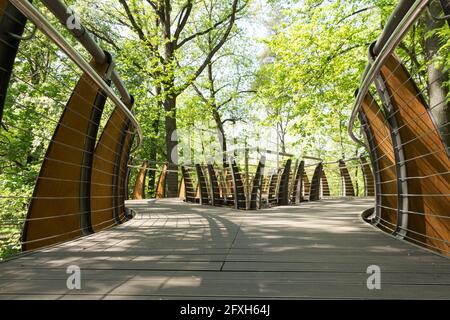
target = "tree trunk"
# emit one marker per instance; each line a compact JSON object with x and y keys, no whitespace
{"x":171,"y":147}
{"x":437,"y":79}
{"x":221,"y":134}
{"x":282,"y":136}
{"x":153,"y":157}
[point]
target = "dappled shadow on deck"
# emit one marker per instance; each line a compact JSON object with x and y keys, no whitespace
{"x":177,"y":250}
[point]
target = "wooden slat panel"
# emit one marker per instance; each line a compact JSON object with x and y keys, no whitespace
{"x":385,"y":158}
{"x":64,"y":177}
{"x":298,"y":183}
{"x":188,"y":185}
{"x":273,"y":186}
{"x":347,"y":184}
{"x":238,"y":187}
{"x":139,"y":186}
{"x":216,"y":198}
{"x":369,"y":182}
{"x":325,"y":187}
{"x":306,"y":187}
{"x":314,"y":194}
{"x":203,"y":188}
{"x":227,"y":186}
{"x":255,"y":197}
{"x":105,"y":171}
{"x":283,"y":191}
{"x":123,"y":175}
{"x":161,"y":185}
{"x":426,"y":155}
{"x":181,"y":189}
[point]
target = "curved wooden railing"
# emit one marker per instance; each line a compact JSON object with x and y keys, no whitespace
{"x":407,"y":143}
{"x":81,"y":185}
{"x":265,"y":184}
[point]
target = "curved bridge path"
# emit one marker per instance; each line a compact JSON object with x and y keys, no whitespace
{"x":176,"y":250}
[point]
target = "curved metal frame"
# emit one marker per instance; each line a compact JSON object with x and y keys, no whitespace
{"x":399,"y":152}
{"x":11,"y":22}
{"x":376,"y":168}
{"x":372,"y":69}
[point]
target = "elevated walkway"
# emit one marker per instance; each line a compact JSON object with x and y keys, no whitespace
{"x":176,"y":250}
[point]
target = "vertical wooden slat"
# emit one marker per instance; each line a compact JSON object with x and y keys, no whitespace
{"x":325,"y":187}
{"x":273,"y":186}
{"x":306,"y":187}
{"x":314,"y":193}
{"x":122,"y":174}
{"x":347,"y":184}
{"x":369,"y":183}
{"x":383,"y":157}
{"x":255,"y":197}
{"x":203,"y":188}
{"x":283,"y":190}
{"x":427,"y":164}
{"x":238,"y":186}
{"x":216,"y":197}
{"x":104,"y":188}
{"x":139,"y":186}
{"x":188,"y":185}
{"x":161,"y":185}
{"x":296,"y":196}
{"x":60,"y":191}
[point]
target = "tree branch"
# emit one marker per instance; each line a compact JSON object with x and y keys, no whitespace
{"x":199,"y":93}
{"x":357,"y":12}
{"x":182,"y":21}
{"x":103,"y":37}
{"x":216,"y":25}
{"x":215,"y":49}
{"x":133,"y":22}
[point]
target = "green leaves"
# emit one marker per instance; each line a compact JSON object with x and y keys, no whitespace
{"x":317,"y":55}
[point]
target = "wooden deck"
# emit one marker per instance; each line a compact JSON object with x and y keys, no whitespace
{"x":176,"y":250}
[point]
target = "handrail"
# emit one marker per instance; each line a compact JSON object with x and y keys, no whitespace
{"x":28,"y":10}
{"x":84,"y":37}
{"x":372,"y":69}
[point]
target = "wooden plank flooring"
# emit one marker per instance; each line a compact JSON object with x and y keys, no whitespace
{"x":174,"y":250}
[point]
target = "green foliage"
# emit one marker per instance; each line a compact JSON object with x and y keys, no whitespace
{"x":315,"y":60}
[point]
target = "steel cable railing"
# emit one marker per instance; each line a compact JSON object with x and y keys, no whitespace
{"x":65,"y":141}
{"x":401,"y":109}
